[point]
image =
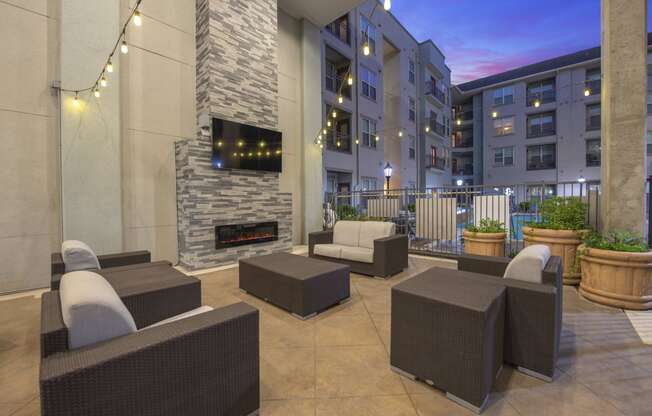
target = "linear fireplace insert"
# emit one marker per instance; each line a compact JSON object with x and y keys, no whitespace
{"x":232,"y":235}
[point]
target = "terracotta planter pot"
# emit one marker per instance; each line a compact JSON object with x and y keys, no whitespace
{"x":484,"y":244}
{"x":616,"y":278}
{"x":562,"y":243}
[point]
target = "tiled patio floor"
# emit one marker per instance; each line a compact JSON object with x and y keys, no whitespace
{"x":338,"y":362}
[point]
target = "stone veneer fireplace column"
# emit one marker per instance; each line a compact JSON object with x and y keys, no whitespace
{"x":237,"y":81}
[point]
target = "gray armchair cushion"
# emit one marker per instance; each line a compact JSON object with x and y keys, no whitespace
{"x":77,"y":255}
{"x":528,"y":265}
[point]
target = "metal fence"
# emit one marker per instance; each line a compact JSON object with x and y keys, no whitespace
{"x":434,"y":219}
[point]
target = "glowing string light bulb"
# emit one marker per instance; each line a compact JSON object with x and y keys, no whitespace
{"x":537,"y":103}
{"x":340,"y":99}
{"x":96,"y":92}
{"x":138,"y":18}
{"x":109,"y":66}
{"x":334,"y":114}
{"x":75,"y":100}
{"x":587,"y":92}
{"x":387,"y":4}
{"x":365,"y":49}
{"x":103,"y":81}
{"x":123,"y":47}
{"x":400,"y":133}
{"x":349,"y":80}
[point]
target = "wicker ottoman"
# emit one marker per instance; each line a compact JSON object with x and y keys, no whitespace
{"x":447,"y":330}
{"x":302,"y":285}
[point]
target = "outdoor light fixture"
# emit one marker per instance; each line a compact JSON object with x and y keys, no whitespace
{"x":377,"y":138}
{"x":350,"y":80}
{"x":459,"y":122}
{"x":334,"y":113}
{"x":365,"y":49}
{"x":537,"y":103}
{"x":109,"y":66}
{"x":357,"y":141}
{"x":427,"y":129}
{"x":587,"y":92}
{"x":387,"y":4}
{"x":581,"y":179}
{"x":123,"y":47}
{"x":494,"y":114}
{"x":459,"y":182}
{"x":96,"y":92}
{"x":328,"y":123}
{"x":400,"y":133}
{"x":340,"y":99}
{"x":75,"y":100}
{"x":388,"y":173}
{"x":324,"y":131}
{"x":103,"y":81}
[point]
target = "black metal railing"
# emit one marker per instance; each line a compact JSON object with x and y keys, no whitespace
{"x":436,"y":163}
{"x":435,"y":218}
{"x":543,"y":97}
{"x":431,"y":89}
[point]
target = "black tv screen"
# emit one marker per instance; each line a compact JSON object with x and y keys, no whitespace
{"x":240,"y":146}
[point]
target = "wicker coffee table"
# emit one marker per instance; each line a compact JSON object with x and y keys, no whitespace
{"x":447,"y":330}
{"x":301,"y":285}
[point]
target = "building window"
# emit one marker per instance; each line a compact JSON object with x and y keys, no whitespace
{"x":369,"y":82}
{"x":504,"y":156}
{"x":593,"y":152}
{"x":411,"y":71}
{"x":593,"y":81}
{"x":504,"y":126}
{"x":368,"y":34}
{"x":539,"y":125}
{"x":542,"y":156}
{"x":331,"y":76}
{"x":412,"y":152}
{"x":369,"y":132}
{"x":369,"y":183}
{"x":503,"y":96}
{"x":340,"y":28}
{"x":593,"y":117}
{"x":542,"y":91}
{"x":412,"y":109}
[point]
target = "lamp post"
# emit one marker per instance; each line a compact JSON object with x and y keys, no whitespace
{"x":388,"y":173}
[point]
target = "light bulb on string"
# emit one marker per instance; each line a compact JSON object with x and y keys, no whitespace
{"x":340,"y":99}
{"x":123,"y":47}
{"x":75,"y":100}
{"x":459,"y":122}
{"x":109,"y":66}
{"x":387,"y":4}
{"x":328,"y":123}
{"x":138,"y":18}
{"x":427,"y":129}
{"x":357,"y":141}
{"x":349,"y":80}
{"x":537,"y":103}
{"x":587,"y":92}
{"x":400,"y":133}
{"x":334,"y":114}
{"x":324,"y":131}
{"x":96,"y":92}
{"x":103,"y":81}
{"x":365,"y":49}
{"x":377,"y":138}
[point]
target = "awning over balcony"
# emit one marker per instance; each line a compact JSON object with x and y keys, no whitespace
{"x":318,"y":12}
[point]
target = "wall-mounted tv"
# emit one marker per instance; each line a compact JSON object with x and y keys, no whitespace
{"x":240,"y":146}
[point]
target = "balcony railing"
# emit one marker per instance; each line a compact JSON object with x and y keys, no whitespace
{"x":438,"y":128}
{"x":437,"y":163}
{"x":334,"y":84}
{"x":543,"y":97}
{"x":465,"y":169}
{"x":432,"y":90}
{"x":594,"y":86}
{"x":463,"y":142}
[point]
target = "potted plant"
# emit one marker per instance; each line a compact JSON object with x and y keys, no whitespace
{"x":560,"y":227}
{"x":616,"y":270}
{"x":485,"y":239}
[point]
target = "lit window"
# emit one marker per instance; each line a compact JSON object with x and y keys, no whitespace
{"x":504,"y":126}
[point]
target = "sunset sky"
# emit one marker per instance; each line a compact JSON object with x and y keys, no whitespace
{"x":481,"y":38}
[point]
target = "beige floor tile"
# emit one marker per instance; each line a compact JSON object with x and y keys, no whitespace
{"x":355,"y":371}
{"x":303,"y":407}
{"x":631,"y":396}
{"x":18,"y":384}
{"x":366,"y":406}
{"x":287,"y":373}
{"x":435,"y":403}
{"x":346,"y":330}
{"x":279,"y":329}
{"x":383,"y":323}
{"x":8,"y":409}
{"x":31,"y":409}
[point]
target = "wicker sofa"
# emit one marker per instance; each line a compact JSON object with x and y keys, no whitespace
{"x":368,"y":247}
{"x":533,"y":312}
{"x":204,"y":364}
{"x":131,"y":258}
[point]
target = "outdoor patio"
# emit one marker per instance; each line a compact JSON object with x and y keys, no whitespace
{"x":337,"y":362}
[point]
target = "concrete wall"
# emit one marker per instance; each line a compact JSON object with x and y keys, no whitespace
{"x":29,"y":218}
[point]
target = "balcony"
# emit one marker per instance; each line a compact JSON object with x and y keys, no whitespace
{"x":340,"y":29}
{"x":462,"y":142}
{"x":543,"y":97}
{"x":438,"y":128}
{"x":437,"y":95}
{"x":436,"y":163}
{"x":463,"y":170}
{"x":594,"y":86}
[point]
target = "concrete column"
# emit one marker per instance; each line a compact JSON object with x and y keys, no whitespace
{"x":624,"y":76}
{"x":312,"y":186}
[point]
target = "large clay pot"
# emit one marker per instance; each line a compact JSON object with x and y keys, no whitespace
{"x":616,"y":278}
{"x":562,"y":243}
{"x":484,"y":244}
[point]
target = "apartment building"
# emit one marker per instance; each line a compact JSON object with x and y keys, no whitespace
{"x":378,"y":81}
{"x":538,"y":123}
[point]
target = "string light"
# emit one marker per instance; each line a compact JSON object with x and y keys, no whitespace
{"x":387,"y":4}
{"x":349,"y":80}
{"x":587,"y":92}
{"x":123,"y":47}
{"x":101,"y":80}
{"x":357,"y":141}
{"x":459,"y":122}
{"x":138,"y":19}
{"x":75,"y":100}
{"x":494,"y":114}
{"x":377,"y":138}
{"x":334,"y":114}
{"x":427,"y":129}
{"x":537,"y":103}
{"x":365,"y":49}
{"x":340,"y":99}
{"x":400,"y":133}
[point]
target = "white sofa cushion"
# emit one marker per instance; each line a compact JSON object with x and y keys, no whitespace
{"x":361,"y":254}
{"x":328,"y":250}
{"x":196,"y":311}
{"x":373,"y":230}
{"x":528,"y":264}
{"x":77,"y":255}
{"x":346,"y":233}
{"x":92,"y":310}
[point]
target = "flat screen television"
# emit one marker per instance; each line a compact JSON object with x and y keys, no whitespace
{"x":240,"y":146}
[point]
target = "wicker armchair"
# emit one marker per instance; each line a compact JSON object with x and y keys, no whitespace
{"x":207,"y":364}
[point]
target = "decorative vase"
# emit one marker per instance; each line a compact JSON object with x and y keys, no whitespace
{"x":562,"y":243}
{"x":484,"y":244}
